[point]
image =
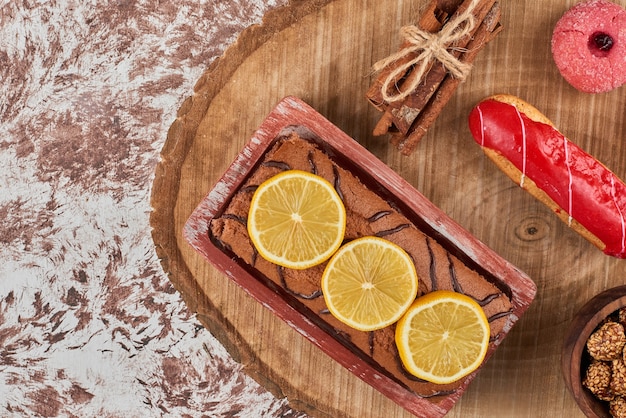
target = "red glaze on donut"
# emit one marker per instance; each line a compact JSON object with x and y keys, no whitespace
{"x":589,"y":46}
{"x":577,"y":182}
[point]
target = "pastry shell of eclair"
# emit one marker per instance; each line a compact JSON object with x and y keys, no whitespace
{"x":528,"y":184}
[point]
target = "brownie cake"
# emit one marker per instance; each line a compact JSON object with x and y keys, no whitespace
{"x":367,"y":214}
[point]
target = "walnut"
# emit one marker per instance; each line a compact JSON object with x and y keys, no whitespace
{"x":607,"y":342}
{"x":598,"y":380}
{"x":618,"y":377}
{"x":617,"y":407}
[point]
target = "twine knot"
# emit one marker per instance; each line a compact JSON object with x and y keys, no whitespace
{"x":433,"y":46}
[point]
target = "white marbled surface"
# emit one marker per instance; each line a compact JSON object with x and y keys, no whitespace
{"x":89,"y":323}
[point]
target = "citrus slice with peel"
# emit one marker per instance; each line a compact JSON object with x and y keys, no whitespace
{"x":369,"y":283}
{"x":296,"y":219}
{"x":443,"y":337}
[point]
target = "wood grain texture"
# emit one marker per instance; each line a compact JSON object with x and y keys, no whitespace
{"x":322,"y":52}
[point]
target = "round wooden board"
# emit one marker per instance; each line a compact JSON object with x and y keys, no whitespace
{"x":322,"y":52}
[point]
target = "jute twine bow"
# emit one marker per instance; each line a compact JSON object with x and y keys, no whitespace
{"x":433,"y":46}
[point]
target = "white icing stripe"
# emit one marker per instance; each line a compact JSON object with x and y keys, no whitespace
{"x":519,"y":115}
{"x":569,"y":184}
{"x":619,"y":211}
{"x":482,"y":126}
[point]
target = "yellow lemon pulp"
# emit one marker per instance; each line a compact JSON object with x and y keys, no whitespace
{"x":296,"y":219}
{"x":443,"y":337}
{"x":369,"y":283}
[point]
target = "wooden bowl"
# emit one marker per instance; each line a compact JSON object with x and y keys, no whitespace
{"x":574,"y":358}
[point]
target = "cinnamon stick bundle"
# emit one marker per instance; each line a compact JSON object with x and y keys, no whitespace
{"x":420,"y":101}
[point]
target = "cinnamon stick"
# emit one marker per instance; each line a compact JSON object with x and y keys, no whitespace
{"x":403,"y":118}
{"x":448,"y":6}
{"x":432,"y":21}
{"x":404,"y":112}
{"x":487,"y":31}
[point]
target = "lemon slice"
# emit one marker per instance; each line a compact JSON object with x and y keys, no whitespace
{"x":296,"y":219}
{"x":443,"y":337}
{"x":369,"y":283}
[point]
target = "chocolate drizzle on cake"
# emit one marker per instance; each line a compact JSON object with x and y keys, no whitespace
{"x":281,"y":165}
{"x":386,"y":232}
{"x":311,"y":161}
{"x":455,"y":281}
{"x":494,"y":338}
{"x":254,"y":256}
{"x":249,"y":189}
{"x":485,"y":301}
{"x":499,"y":315}
{"x":344,"y":335}
{"x":378,"y":215}
{"x":433,"y":266}
{"x":237,"y":218}
{"x":281,"y":273}
{"x":337,"y":183}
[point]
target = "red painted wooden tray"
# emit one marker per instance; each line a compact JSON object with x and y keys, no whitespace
{"x":292,"y":113}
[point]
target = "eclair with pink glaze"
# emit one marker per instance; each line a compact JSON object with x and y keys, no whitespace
{"x":529,"y":149}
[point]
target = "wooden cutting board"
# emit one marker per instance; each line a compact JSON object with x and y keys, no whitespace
{"x":322,"y":52}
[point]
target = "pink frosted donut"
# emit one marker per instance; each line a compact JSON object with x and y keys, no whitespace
{"x":589,"y":46}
